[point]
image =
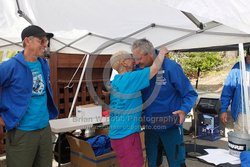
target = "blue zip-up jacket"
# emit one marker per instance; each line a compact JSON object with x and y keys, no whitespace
{"x":231,"y":93}
{"x":16,"y":83}
{"x":170,"y":90}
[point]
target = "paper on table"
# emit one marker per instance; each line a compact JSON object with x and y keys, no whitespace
{"x":235,"y":162}
{"x":218,"y":156}
{"x":214,"y":151}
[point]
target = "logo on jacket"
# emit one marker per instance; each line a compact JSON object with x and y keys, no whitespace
{"x":160,"y":79}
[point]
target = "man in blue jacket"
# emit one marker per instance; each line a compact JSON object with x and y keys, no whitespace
{"x":232,"y":94}
{"x":170,"y":93}
{"x":26,"y":102}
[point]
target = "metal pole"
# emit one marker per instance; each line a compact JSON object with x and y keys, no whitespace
{"x":79,"y":85}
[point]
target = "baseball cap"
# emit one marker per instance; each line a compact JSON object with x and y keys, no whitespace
{"x":35,"y":31}
{"x":117,"y":57}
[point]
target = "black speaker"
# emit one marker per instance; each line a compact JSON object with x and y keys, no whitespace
{"x":208,"y":105}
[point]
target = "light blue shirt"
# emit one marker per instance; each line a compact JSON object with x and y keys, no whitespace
{"x":37,"y":115}
{"x":232,"y":91}
{"x":126,"y":103}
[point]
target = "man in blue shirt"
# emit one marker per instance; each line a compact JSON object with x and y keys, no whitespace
{"x":232,"y":94}
{"x":170,"y":93}
{"x":26,"y":102}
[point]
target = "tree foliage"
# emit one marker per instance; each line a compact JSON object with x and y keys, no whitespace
{"x":6,"y":55}
{"x":206,"y":61}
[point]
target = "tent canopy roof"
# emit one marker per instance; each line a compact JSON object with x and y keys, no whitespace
{"x":100,"y":26}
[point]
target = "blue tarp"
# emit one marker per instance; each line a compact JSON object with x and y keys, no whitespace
{"x":100,"y":144}
{"x":245,"y":158}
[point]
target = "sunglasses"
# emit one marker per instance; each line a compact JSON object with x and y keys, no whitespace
{"x":42,"y":40}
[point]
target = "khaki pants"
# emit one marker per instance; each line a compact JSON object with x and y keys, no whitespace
{"x":238,"y":124}
{"x":29,"y":148}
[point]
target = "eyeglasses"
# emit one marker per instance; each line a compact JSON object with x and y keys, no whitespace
{"x":137,"y":58}
{"x":42,"y":40}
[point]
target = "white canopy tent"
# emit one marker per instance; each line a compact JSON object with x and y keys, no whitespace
{"x":106,"y":26}
{"x":100,"y":26}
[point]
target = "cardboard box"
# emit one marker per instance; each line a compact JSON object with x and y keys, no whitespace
{"x":89,"y":111}
{"x":102,"y":131}
{"x":82,"y":155}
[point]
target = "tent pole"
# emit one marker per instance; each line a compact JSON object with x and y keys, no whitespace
{"x":11,"y":43}
{"x":79,"y":85}
{"x":80,"y":50}
{"x":211,"y":25}
{"x":191,"y":17}
{"x":110,"y":39}
{"x":22,"y":14}
{"x":136,"y":32}
{"x":244,"y":88}
{"x":69,"y":45}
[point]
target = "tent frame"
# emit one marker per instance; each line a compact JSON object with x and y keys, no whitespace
{"x":203,"y":27}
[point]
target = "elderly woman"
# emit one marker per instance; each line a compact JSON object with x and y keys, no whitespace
{"x":126,"y":106}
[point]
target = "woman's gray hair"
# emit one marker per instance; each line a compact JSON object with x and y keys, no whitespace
{"x":117,"y":57}
{"x":144,"y":45}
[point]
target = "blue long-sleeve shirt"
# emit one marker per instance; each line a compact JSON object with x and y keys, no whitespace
{"x":170,"y":90}
{"x":231,"y":93}
{"x":16,"y":89}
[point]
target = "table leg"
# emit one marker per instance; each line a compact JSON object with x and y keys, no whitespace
{"x":59,"y":149}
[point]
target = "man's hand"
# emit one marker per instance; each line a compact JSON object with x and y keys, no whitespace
{"x":181,"y":115}
{"x":105,"y":93}
{"x":223,"y":117}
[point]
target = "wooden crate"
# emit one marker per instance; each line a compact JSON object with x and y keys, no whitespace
{"x":63,"y":67}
